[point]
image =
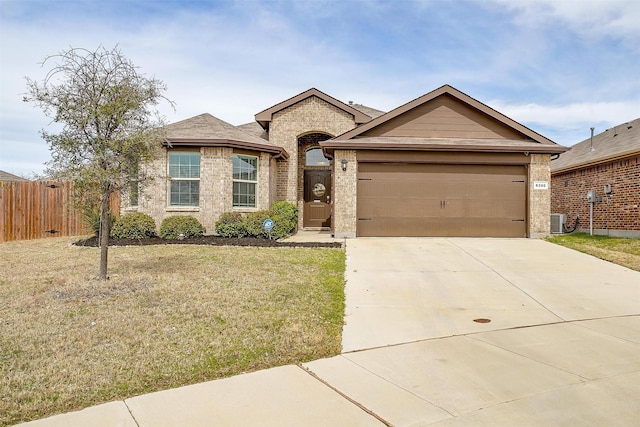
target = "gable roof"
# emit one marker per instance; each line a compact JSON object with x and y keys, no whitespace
{"x":617,"y":142}
{"x":206,"y":130}
{"x":363,"y":137}
{"x":264,"y":117}
{"x":6,"y":176}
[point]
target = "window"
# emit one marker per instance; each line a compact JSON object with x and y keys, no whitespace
{"x":316,"y":158}
{"x":245,"y":180}
{"x":134,"y":192}
{"x":134,"y":187}
{"x":184,"y":171}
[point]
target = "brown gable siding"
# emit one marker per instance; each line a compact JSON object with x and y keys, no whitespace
{"x":445,"y":117}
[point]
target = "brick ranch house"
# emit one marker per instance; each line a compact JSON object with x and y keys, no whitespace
{"x":443,"y":164}
{"x":609,"y":165}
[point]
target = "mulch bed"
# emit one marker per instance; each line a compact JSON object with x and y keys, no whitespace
{"x":210,"y":240}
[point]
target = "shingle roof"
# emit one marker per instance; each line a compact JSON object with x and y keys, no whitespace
{"x":206,"y":130}
{"x":371,"y":112}
{"x":254,"y":129}
{"x":206,"y":126}
{"x":6,"y":176}
{"x":617,"y":142}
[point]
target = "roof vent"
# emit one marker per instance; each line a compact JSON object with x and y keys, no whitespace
{"x":350,"y":102}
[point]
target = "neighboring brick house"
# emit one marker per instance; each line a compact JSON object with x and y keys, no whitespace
{"x":609,"y":165}
{"x":443,"y":164}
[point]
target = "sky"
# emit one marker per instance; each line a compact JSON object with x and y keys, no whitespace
{"x":556,"y":66}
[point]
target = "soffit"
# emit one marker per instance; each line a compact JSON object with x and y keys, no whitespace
{"x":435,"y":144}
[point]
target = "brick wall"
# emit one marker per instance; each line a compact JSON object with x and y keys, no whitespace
{"x":539,"y":200}
{"x":615,"y":214}
{"x":216,"y":188}
{"x":290,"y":128}
{"x":345,"y":184}
{"x":311,"y":115}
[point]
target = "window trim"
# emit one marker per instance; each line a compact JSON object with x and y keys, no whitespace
{"x":255,"y":182}
{"x":172,"y":179}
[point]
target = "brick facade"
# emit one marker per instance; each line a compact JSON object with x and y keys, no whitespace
{"x":539,"y":200}
{"x":216,"y":188}
{"x":616,"y":214}
{"x":288,"y":129}
{"x":345,"y":184}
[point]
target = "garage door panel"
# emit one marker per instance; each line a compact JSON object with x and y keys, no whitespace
{"x":410,"y":207}
{"x":441,"y":200}
{"x":434,"y":227}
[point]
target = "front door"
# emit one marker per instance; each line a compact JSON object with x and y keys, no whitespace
{"x":317,"y":198}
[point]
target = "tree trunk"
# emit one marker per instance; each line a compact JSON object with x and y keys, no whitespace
{"x":104,"y":235}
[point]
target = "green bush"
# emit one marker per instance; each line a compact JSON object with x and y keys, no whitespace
{"x":175,"y":227}
{"x":287,"y":214}
{"x":230,"y":224}
{"x":283,"y":214}
{"x":253,"y":224}
{"x":135,"y":225}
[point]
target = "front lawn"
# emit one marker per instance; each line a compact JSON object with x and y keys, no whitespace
{"x":170,"y":315}
{"x":618,"y":250}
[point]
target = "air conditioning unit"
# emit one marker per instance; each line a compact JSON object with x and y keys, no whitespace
{"x":557,"y":223}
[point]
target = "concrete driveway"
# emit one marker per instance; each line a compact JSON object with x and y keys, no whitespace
{"x":561,"y":347}
{"x":401,"y":290}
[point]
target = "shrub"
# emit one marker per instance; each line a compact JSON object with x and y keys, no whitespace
{"x":91,"y":217}
{"x":135,"y":225}
{"x":253,"y":224}
{"x":283,"y":214}
{"x":230,"y":224}
{"x":187,"y":226}
{"x":287,"y":215}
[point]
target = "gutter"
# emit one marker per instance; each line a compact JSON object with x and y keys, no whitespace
{"x":278,"y":152}
{"x":329,"y":147}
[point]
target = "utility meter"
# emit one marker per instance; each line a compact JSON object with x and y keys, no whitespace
{"x":591,"y":196}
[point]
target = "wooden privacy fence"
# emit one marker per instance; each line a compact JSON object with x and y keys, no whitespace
{"x":38,"y":209}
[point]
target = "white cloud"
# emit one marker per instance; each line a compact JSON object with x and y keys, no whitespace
{"x":234,"y":59}
{"x":617,"y":18}
{"x":569,"y":124}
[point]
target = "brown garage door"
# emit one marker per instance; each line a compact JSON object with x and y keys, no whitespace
{"x":399,"y":199}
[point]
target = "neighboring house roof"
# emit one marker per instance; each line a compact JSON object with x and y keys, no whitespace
{"x":207,"y":130}
{"x":6,"y":176}
{"x":264,"y":117}
{"x":379,"y":132}
{"x":615,"y":143}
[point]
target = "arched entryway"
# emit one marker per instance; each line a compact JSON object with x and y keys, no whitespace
{"x":314,"y":181}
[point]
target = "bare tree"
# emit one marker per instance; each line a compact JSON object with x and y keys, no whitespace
{"x":110,"y":126}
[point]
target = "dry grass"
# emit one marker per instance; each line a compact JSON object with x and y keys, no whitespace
{"x":168,"y":316}
{"x":625,"y":252}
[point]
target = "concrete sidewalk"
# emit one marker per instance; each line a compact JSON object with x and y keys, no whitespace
{"x":562,"y":347}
